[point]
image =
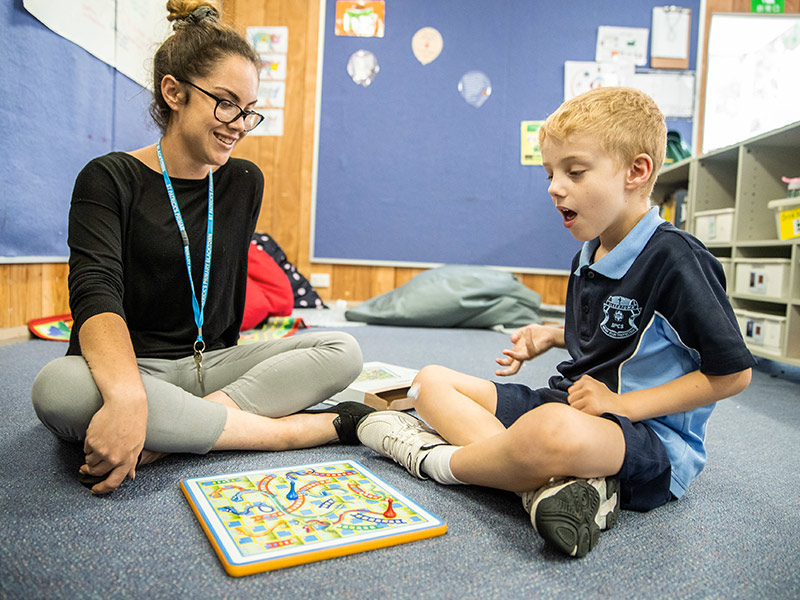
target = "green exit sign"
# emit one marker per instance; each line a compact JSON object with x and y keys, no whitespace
{"x":767,"y":7}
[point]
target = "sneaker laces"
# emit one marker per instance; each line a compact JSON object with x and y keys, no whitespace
{"x":408,"y":447}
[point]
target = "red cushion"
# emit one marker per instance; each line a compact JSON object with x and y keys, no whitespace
{"x":269,"y":292}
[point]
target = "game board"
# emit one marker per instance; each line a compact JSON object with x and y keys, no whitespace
{"x":275,"y":518}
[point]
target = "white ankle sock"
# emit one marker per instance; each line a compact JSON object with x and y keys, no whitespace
{"x":437,"y":465}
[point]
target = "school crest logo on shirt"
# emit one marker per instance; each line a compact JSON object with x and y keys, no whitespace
{"x":620,"y":314}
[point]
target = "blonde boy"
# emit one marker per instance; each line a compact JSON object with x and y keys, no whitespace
{"x":652,"y":339}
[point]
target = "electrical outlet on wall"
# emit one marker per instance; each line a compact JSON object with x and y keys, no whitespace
{"x":321,"y":280}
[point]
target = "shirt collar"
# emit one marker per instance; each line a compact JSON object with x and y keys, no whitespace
{"x":616,"y":263}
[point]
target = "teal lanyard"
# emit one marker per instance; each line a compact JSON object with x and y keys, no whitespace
{"x":198,"y":307}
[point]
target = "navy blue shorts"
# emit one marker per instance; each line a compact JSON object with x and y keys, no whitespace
{"x":645,"y":474}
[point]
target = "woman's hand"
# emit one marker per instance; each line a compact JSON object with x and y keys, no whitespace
{"x":114,"y":441}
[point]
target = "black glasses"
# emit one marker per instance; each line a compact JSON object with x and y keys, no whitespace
{"x":227,"y":112}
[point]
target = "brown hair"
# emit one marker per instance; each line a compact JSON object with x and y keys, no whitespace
{"x":199,"y":41}
{"x":625,"y":122}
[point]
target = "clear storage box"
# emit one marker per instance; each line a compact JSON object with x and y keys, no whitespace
{"x":761,"y":330}
{"x":714,"y":225}
{"x":767,"y":277}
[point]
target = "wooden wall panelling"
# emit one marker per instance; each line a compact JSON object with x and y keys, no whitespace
{"x":30,"y":291}
{"x":307,"y":151}
{"x":552,"y":288}
{"x":281,"y":158}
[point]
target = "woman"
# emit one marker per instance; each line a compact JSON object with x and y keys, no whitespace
{"x":158,"y":261}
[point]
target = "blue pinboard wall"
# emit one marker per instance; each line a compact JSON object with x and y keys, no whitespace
{"x":408,"y":172}
{"x":59,"y":107}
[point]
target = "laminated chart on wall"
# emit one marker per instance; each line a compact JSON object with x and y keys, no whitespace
{"x":272,"y":45}
{"x":273,"y":67}
{"x":673,"y":91}
{"x":582,"y":76}
{"x":622,"y":44}
{"x":529,"y":144}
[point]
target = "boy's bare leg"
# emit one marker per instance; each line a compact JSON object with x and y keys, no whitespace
{"x":553,"y":440}
{"x":459,"y":407}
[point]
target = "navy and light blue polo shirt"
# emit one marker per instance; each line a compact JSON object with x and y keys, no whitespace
{"x":651,"y":310}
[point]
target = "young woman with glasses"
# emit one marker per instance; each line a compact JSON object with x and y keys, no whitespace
{"x":158,"y":262}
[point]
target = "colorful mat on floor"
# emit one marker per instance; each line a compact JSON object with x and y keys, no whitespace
{"x":276,"y":327}
{"x":56,"y":328}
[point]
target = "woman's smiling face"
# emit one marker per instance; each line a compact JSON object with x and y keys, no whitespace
{"x":207,"y":141}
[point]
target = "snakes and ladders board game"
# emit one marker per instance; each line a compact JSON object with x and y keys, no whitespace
{"x":275,"y":518}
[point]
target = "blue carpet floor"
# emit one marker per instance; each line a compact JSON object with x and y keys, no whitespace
{"x":734,"y":535}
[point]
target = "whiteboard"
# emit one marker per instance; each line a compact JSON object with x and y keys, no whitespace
{"x":753,"y":84}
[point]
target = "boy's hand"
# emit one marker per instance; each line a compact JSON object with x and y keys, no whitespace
{"x":593,"y":397}
{"x":528,"y":342}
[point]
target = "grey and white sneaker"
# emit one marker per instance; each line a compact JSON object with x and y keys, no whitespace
{"x":570,"y":513}
{"x":399,"y":436}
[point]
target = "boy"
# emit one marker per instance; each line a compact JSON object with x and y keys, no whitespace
{"x":652,"y":339}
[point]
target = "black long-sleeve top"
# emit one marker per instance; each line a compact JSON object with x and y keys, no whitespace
{"x":126,"y":253}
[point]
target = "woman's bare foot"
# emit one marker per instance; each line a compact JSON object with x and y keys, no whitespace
{"x":149,"y":456}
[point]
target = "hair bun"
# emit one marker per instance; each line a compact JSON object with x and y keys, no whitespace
{"x":200,"y":13}
{"x":188,"y":12}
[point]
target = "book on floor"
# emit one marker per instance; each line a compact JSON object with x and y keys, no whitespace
{"x":381,"y":386}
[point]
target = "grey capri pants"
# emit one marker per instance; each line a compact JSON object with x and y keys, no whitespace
{"x":273,"y":379}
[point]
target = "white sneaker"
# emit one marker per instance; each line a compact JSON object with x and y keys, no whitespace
{"x":570,"y":513}
{"x":399,"y":436}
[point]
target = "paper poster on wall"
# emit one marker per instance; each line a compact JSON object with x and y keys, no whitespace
{"x":88,"y":24}
{"x":272,"y":45}
{"x":530,"y":153}
{"x":271,"y":125}
{"x":124,"y":34}
{"x":673,"y":92}
{"x":271,"y":94}
{"x":144,"y":29}
{"x":273,"y":67}
{"x":475,"y":87}
{"x":622,"y":44}
{"x":582,"y":76}
{"x":269,"y":39}
{"x":363,"y":67}
{"x":427,"y":45}
{"x":669,"y":48}
{"x":360,"y":19}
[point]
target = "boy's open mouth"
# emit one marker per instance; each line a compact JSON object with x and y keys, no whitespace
{"x":569,"y":215}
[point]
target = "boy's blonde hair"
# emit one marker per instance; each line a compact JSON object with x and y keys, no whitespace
{"x":625,"y":122}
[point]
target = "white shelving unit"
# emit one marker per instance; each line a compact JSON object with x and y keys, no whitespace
{"x":763,"y":271}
